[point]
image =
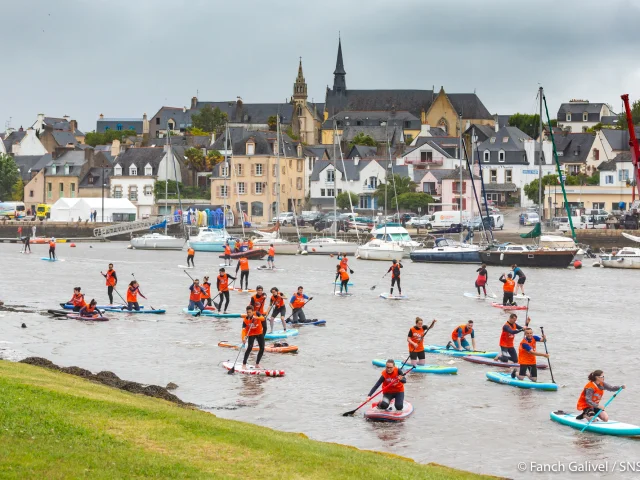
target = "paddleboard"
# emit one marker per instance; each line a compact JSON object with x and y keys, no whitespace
{"x":509,"y":307}
{"x":69,"y":306}
{"x":522,"y":297}
{"x":97,"y":318}
{"x":505,"y":379}
{"x":121,"y":310}
{"x":349,"y":284}
{"x":457,"y":353}
{"x":63,"y":313}
{"x":390,"y":414}
{"x":379,"y":362}
{"x":251,"y":370}
{"x":611,"y":427}
{"x":271,"y":348}
{"x":184,"y":266}
{"x":47,"y":259}
{"x":388,"y":296}
{"x":240,"y":290}
{"x":496,"y":363}
{"x":315,"y":321}
{"x":478,"y":297}
{"x":274,"y":269}
{"x":211,"y":313}
{"x":276,"y":334}
{"x":338,"y":294}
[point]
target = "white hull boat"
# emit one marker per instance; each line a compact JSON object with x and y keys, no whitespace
{"x":447,"y":251}
{"x":282,"y":246}
{"x":157,"y":241}
{"x":628,"y":257}
{"x":328,"y":246}
{"x":398,"y":235}
{"x":209,"y":240}
{"x":380,"y":250}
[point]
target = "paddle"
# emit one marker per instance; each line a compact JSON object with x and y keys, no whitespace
{"x":152,"y":307}
{"x":374,"y":287}
{"x":233,"y":367}
{"x":201,"y":310}
{"x":600,"y":410}
{"x":299,"y":308}
{"x":547,"y":351}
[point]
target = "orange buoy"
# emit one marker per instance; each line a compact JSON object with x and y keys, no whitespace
{"x":72,"y":245}
{"x":577,"y":264}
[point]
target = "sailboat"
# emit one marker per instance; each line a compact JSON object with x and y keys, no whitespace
{"x":159,"y":241}
{"x":281,"y":245}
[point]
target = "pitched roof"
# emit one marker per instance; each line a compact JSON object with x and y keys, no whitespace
{"x":29,"y":163}
{"x":574,"y":147}
{"x":511,"y":141}
{"x":140,"y":157}
{"x":619,"y":158}
{"x":352,"y":170}
{"x":104,"y":124}
{"x":373,"y":118}
{"x":74,"y":159}
{"x":438,"y":173}
{"x":362,"y":151}
{"x":64,"y":138}
{"x":379,"y":134}
{"x":12,"y":138}
{"x":609,"y":120}
{"x":57,"y":123}
{"x":96,"y":174}
{"x":469,"y":106}
{"x":315,"y":151}
{"x":503,"y":120}
{"x":580,"y":107}
{"x":440,"y":144}
{"x":618,"y":139}
{"x":253,"y":113}
{"x":262,"y":139}
{"x":455,"y":175}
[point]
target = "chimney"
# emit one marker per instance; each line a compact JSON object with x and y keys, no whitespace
{"x":73,"y":126}
{"x":356,"y":160}
{"x":115,"y":148}
{"x":101,"y":117}
{"x":497,"y":126}
{"x":184,"y":109}
{"x":194,"y":102}
{"x":145,"y":124}
{"x":21,"y":129}
{"x":66,"y":117}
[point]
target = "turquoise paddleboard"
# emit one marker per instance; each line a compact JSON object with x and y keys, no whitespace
{"x":605,"y":428}
{"x":211,"y":313}
{"x":379,"y":362}
{"x":276,"y":334}
{"x":456,"y":353}
{"x":505,"y":379}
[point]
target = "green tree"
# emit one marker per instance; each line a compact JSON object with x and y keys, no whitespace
{"x":402,"y":185}
{"x":342,"y":200}
{"x":529,"y":124}
{"x":9,"y":176}
{"x":197,"y":132}
{"x":362,"y":139}
{"x":292,"y":135}
{"x":412,"y":200}
{"x":95,"y":138}
{"x":185,"y":192}
{"x":17,"y":192}
{"x":531,"y":189}
{"x":272,"y":121}
{"x":209,"y":119}
{"x":635,"y":116}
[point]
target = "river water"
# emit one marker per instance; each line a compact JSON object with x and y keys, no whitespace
{"x":461,"y":420}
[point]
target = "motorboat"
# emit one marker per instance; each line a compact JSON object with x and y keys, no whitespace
{"x":281,"y":245}
{"x":447,"y":251}
{"x":395,"y":233}
{"x":508,"y":254}
{"x":328,"y":246}
{"x":559,"y":242}
{"x":627,"y":257}
{"x":209,"y":240}
{"x":377,"y":249}
{"x":157,"y":241}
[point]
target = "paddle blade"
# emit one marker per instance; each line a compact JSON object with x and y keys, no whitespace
{"x":349,"y":413}
{"x":232,"y":370}
{"x":373,"y":288}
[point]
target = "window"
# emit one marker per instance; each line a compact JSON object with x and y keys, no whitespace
{"x":157,"y":120}
{"x":568,"y":117}
{"x":61,"y":187}
{"x":623,"y":175}
{"x":487,"y":155}
{"x":31,"y":193}
{"x":91,"y":179}
{"x":49,"y":190}
{"x":322,"y":192}
{"x":505,"y":139}
{"x":256,"y":209}
{"x":66,"y":169}
{"x":274,"y":189}
{"x":258,"y":188}
{"x":117,"y":191}
{"x":585,"y":117}
{"x":54,"y":169}
{"x":133,"y":193}
{"x":508,"y":176}
{"x":456,"y":187}
{"x":407,"y":124}
{"x":241,"y":188}
{"x":171,"y":124}
{"x":258,"y":170}
{"x":117,"y":170}
{"x":274,"y":148}
{"x":239,"y":169}
{"x":133,"y":170}
{"x":299,"y":183}
{"x":282,"y":188}
{"x":608,"y":180}
{"x":598,"y":205}
{"x":373,"y":182}
{"x":72,"y":190}
{"x":274,"y":170}
{"x":148,"y":170}
{"x":224,"y":170}
{"x":300,"y":165}
{"x":148,"y":190}
{"x":251,"y":148}
{"x":426,"y":156}
{"x":331,"y":176}
{"x":429,"y":187}
{"x":330,"y":192}
{"x":243,"y":207}
{"x":596,"y":154}
{"x":339,"y":191}
{"x":501,"y":155}
{"x":492,"y":140}
{"x":494,"y":176}
{"x":223,"y":191}
{"x":119,"y":127}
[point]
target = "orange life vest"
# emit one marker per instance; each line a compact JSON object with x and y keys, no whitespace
{"x":227,"y":250}
{"x":250,"y":245}
{"x":244,"y":264}
{"x":132,"y":294}
{"x":252,"y":326}
{"x":196,"y":293}
{"x":525,"y":357}
{"x":90,"y":310}
{"x":299,"y":301}
{"x":223,"y":282}
{"x":258,"y":303}
{"x":78,"y":300}
{"x":52,"y":244}
{"x":465,"y":331}
{"x":597,"y":395}
{"x":111,"y":281}
{"x":417,"y":336}
{"x":277,"y":300}
{"x":206,"y":290}
{"x":343,"y":274}
{"x":509,"y":285}
{"x":272,"y":251}
{"x":506,"y":339}
{"x":191,"y":251}
{"x":343,"y":262}
{"x":395,"y":271}
{"x":388,"y":386}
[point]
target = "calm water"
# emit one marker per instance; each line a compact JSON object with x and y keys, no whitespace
{"x":460,"y":420}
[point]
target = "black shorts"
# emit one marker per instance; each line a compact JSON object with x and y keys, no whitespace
{"x":416,"y":355}
{"x":279,"y":311}
{"x":521,"y":280}
{"x":533,"y":370}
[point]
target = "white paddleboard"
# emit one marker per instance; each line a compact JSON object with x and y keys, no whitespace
{"x":479,"y":297}
{"x":184,"y":266}
{"x":225,"y":265}
{"x":338,"y":294}
{"x":388,"y":296}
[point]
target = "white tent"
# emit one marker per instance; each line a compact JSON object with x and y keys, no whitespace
{"x":115,"y":209}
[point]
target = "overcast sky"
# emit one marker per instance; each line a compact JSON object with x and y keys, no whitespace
{"x":124,"y":58}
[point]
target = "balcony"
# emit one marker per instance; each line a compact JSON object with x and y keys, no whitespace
{"x":369,"y":188}
{"x":419,"y":161}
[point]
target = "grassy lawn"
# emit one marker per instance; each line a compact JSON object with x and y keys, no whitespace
{"x":56,"y":426}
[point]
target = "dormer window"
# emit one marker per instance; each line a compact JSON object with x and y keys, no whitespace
{"x":117,"y":170}
{"x":54,"y":169}
{"x":585,"y":117}
{"x":91,"y":179}
{"x":66,"y":169}
{"x":148,"y":170}
{"x":568,"y":117}
{"x":133,"y":170}
{"x":492,"y":140}
{"x":119,"y":127}
{"x":487,"y":156}
{"x":251,"y":148}
{"x":501,"y":156}
{"x":505,"y":139}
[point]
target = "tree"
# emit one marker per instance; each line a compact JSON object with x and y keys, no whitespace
{"x":635,"y":116}
{"x":185,"y":192}
{"x":402,"y":185}
{"x":95,"y":138}
{"x":197,"y":132}
{"x":9,"y":176}
{"x":209,"y":119}
{"x":17,"y":192}
{"x":529,"y":124}
{"x":412,"y":200}
{"x":531,"y":189}
{"x":272,"y":121}
{"x":362,"y":139}
{"x":342,"y":200}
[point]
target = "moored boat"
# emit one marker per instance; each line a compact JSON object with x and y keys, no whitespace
{"x":209,"y":240}
{"x":447,"y":251}
{"x":527,"y":256}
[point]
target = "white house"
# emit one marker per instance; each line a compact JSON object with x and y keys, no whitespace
{"x":617,"y":171}
{"x":579,"y":115}
{"x":432,"y":153}
{"x":30,"y":145}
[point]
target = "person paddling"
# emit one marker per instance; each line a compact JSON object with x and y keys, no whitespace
{"x":344,"y":262}
{"x":190,"y":254}
{"x":243,"y":266}
{"x":250,"y":244}
{"x":279,"y":308}
{"x":509,"y":330}
{"x":251,"y":333}
{"x":507,"y":289}
{"x":132,"y":297}
{"x":227,"y":255}
{"x":297,"y":303}
{"x":77,"y":300}
{"x":527,"y":356}
{"x":90,"y":310}
{"x":395,"y":275}
{"x":271,"y":257}
{"x":392,"y":381}
{"x":341,"y":272}
{"x":236,"y":246}
{"x":517,"y":272}
{"x":589,"y":401}
{"x":27,"y":243}
{"x":222,"y":284}
{"x":415,"y":339}
{"x":111,"y":281}
{"x":206,"y":292}
{"x":52,"y":248}
{"x":481,"y":280}
{"x":195,"y":297}
{"x":457,"y":337}
{"x":257,"y":302}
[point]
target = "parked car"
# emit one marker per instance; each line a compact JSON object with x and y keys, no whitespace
{"x":327,"y":224}
{"x":529,"y":218}
{"x":363,"y":224}
{"x":413,"y":222}
{"x":284,"y":218}
{"x":476,"y":222}
{"x":311,"y":217}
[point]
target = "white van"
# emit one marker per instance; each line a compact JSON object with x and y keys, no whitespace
{"x":498,"y":221}
{"x":446,"y":218}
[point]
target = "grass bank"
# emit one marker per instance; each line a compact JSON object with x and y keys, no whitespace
{"x":58,"y":426}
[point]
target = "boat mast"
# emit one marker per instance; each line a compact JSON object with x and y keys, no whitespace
{"x":238,"y":203}
{"x":460,"y":186}
{"x":224,"y":179}
{"x":335,"y":183}
{"x":278,"y":175}
{"x":166,"y":184}
{"x":540,"y":206}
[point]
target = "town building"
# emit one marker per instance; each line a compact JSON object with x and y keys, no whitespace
{"x":580,"y":115}
{"x":138,"y":125}
{"x":452,"y":190}
{"x":306,"y":116}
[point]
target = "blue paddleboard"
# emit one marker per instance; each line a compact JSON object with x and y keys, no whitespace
{"x":290,"y":332}
{"x":505,"y":379}
{"x":379,"y":362}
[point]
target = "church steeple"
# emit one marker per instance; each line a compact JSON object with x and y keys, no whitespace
{"x":300,"y":87}
{"x":339,"y":80}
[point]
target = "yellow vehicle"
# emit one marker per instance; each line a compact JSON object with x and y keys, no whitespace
{"x":43,"y":211}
